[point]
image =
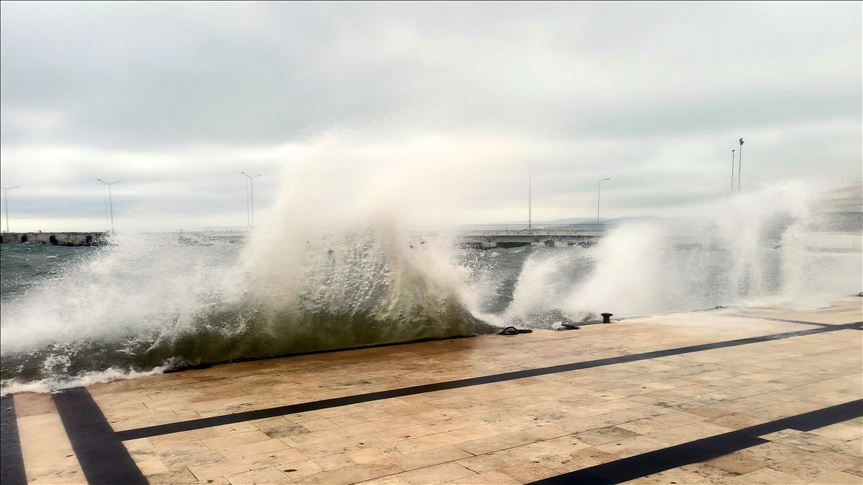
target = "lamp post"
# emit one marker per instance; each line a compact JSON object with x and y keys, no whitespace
{"x":739,"y":166}
{"x":732,"y":171}
{"x":6,"y":203}
{"x":250,"y":199}
{"x":598,"y":185}
{"x":529,"y":192}
{"x":110,"y":200}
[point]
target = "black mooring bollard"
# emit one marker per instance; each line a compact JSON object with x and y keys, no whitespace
{"x":606,"y":317}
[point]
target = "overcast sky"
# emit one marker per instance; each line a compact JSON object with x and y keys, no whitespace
{"x":424,"y":109}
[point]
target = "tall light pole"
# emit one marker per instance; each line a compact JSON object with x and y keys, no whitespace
{"x":732,"y":171}
{"x":739,"y":166}
{"x":598,"y":185}
{"x":6,"y":203}
{"x":250,"y":209}
{"x":529,"y":193}
{"x":110,"y":200}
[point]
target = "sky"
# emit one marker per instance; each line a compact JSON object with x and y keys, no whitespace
{"x":429,"y":111}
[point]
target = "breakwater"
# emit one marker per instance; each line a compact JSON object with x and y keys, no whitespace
{"x":56,"y":238}
{"x":512,"y":239}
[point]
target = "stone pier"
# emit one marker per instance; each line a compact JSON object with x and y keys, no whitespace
{"x":55,"y":238}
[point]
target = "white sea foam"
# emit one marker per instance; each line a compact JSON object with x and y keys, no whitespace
{"x":85,"y":379}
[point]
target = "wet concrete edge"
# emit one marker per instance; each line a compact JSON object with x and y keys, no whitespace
{"x":469,"y":382}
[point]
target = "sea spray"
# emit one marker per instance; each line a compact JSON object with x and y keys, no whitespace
{"x":325,"y":270}
{"x":360,"y":285}
{"x":330,"y":266}
{"x":148,"y":301}
{"x":748,"y":251}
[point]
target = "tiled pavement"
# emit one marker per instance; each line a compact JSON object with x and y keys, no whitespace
{"x":643,"y":401}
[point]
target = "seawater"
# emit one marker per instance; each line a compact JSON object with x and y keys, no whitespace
{"x":147,"y":302}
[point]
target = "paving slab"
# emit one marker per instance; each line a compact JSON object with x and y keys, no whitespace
{"x":755,"y":395}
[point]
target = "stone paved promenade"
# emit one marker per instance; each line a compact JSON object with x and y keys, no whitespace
{"x":726,"y":397}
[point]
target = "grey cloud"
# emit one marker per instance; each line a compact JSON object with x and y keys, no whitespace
{"x":149,"y":74}
{"x":652,"y":94}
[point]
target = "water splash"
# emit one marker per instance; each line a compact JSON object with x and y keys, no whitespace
{"x":356,"y":275}
{"x":757,"y":249}
{"x":147,"y":301}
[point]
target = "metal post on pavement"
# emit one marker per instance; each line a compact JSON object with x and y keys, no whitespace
{"x":250,"y":199}
{"x":740,"y":166}
{"x":732,"y":171}
{"x":529,"y":193}
{"x":598,"y":185}
{"x":110,"y":200}
{"x":6,"y":203}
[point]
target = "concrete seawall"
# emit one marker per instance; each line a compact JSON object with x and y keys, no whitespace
{"x":56,"y":238}
{"x":513,"y":239}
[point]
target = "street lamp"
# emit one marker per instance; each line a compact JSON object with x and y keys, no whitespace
{"x":6,"y":203}
{"x":739,"y":166}
{"x":529,"y":190}
{"x":598,"y":185}
{"x":732,"y":172}
{"x":110,"y":200}
{"x":250,"y":197}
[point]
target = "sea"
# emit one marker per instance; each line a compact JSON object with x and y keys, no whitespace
{"x":147,"y":303}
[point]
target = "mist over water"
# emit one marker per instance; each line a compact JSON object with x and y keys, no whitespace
{"x":344,"y":264}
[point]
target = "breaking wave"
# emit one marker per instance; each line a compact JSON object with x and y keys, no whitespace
{"x":148,"y":303}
